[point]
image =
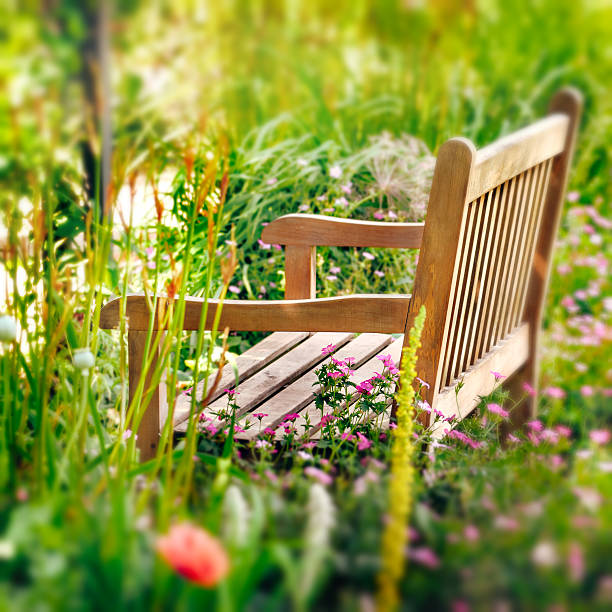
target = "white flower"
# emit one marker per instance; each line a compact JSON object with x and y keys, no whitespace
{"x":544,"y":554}
{"x":8,"y":329}
{"x":83,"y":360}
{"x":335,"y":171}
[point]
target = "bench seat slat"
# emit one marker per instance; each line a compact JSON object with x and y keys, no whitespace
{"x":301,"y":392}
{"x":247,"y":364}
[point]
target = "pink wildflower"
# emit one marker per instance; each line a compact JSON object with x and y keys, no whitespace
{"x":497,"y":375}
{"x":335,"y":171}
{"x":513,"y":439}
{"x":497,"y":409}
{"x":291,"y":416}
{"x":600,"y":436}
{"x":379,"y":214}
{"x":347,"y":436}
{"x":563,"y":431}
{"x":425,"y":556}
{"x":323,"y":477}
{"x":335,"y":374}
{"x":459,"y":435}
{"x":535,"y":425}
{"x":554,"y":392}
{"x":264,"y":245}
{"x":328,"y":418}
{"x":367,"y":255}
{"x":234,"y":289}
{"x":363,"y":443}
{"x":529,"y":389}
{"x":260,"y":415}
{"x":268,"y":431}
{"x":365,"y":388}
{"x":471,"y":533}
{"x":328,"y":350}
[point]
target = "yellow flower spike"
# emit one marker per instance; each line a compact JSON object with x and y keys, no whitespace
{"x":394,"y":539}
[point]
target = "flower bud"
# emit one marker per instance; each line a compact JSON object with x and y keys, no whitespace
{"x":83,"y":359}
{"x":8,"y":329}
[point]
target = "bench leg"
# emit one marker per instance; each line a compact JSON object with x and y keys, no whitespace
{"x":526,"y":401}
{"x":148,"y":432}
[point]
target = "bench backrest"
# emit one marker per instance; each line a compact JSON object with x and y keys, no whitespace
{"x":490,"y":226}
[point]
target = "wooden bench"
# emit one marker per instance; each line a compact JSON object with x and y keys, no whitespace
{"x":484,"y":262}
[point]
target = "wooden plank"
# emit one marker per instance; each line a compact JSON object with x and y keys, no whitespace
{"x":319,"y":230}
{"x":437,"y":270}
{"x":517,"y":152}
{"x":300,"y":393}
{"x":518,"y":249}
{"x":473,"y":294}
{"x":384,"y":314}
{"x":281,"y":372}
{"x":148,"y":428}
{"x":490,"y":312}
{"x":300,"y":272}
{"x":366,"y":371}
{"x":491,"y":247}
{"x":251,"y":361}
{"x":506,"y":358}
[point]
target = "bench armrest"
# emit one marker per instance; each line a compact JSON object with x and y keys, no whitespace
{"x":319,"y":230}
{"x":355,"y":313}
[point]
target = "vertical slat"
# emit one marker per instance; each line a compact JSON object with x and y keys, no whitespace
{"x":530,"y":247}
{"x":519,"y":248}
{"x":498,"y":280}
{"x":459,"y":292}
{"x":485,"y":275}
{"x":508,"y":256}
{"x":148,"y":430}
{"x":300,"y":272}
{"x":479,"y":254}
{"x":466,"y":297}
{"x":532,"y":205}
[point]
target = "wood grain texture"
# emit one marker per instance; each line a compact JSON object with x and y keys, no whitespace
{"x":148,"y":430}
{"x":281,"y":372}
{"x":300,"y":393}
{"x":517,"y":152}
{"x":300,"y":272}
{"x":568,"y":101}
{"x":506,"y":358}
{"x":385,"y":314}
{"x":319,"y":230}
{"x":246,"y":364}
{"x":436,"y":274}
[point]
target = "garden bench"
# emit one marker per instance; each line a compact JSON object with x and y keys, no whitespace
{"x":483,"y":268}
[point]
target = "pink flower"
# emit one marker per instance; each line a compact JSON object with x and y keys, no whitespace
{"x":535,"y":425}
{"x":379,"y":273}
{"x":328,"y":350}
{"x":263,"y":245}
{"x":506,"y":523}
{"x":497,"y":375}
{"x":347,"y":436}
{"x":268,"y":431}
{"x":363,"y":443}
{"x":563,"y":431}
{"x":323,"y":477}
{"x":497,"y":409}
{"x":291,"y":417}
{"x":459,"y":435}
{"x":423,"y":383}
{"x":335,"y":374}
{"x":328,"y":418}
{"x":234,"y":289}
{"x":573,"y":196}
{"x":347,"y":188}
{"x":587,"y":391}
{"x":471,"y":533}
{"x":529,"y":389}
{"x":554,"y":392}
{"x":335,"y":270}
{"x":379,"y":214}
{"x":365,"y":388}
{"x":513,"y":439}
{"x":260,"y":415}
{"x":368,"y":256}
{"x":425,"y":556}
{"x":335,"y":171}
{"x":194,"y":554}
{"x":575,"y":562}
{"x":600,"y":436}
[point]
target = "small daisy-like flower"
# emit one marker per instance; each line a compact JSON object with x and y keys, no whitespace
{"x":335,"y":171}
{"x":329,"y":349}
